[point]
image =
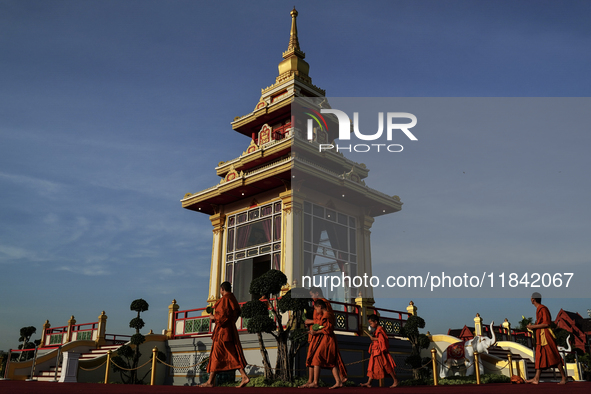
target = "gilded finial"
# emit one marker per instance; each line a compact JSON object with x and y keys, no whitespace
{"x":293,"y":49}
{"x":293,"y":34}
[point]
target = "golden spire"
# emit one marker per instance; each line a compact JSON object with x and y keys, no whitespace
{"x":293,"y":34}
{"x":293,"y":65}
{"x":294,"y":45}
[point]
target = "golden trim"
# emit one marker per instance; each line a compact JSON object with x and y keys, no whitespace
{"x":267,"y":202}
{"x":517,"y":346}
{"x":444,"y":338}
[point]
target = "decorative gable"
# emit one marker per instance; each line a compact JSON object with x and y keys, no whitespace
{"x":265,"y":134}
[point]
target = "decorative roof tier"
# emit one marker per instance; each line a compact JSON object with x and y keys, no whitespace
{"x":292,"y":81}
{"x":285,"y":162}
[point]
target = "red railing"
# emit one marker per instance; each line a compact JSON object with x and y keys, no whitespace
{"x":11,"y":352}
{"x":194,"y":324}
{"x":392,"y":325}
{"x":183,"y":317}
{"x":524,"y":338}
{"x":51,"y":338}
{"x":117,"y":339}
{"x":9,"y":356}
{"x":525,"y":333}
{"x":279,"y":132}
{"x":190,"y":323}
{"x":89,"y":328}
{"x":56,"y":336}
{"x":346,"y":316}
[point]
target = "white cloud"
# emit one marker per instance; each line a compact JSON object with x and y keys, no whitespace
{"x":40,"y":185}
{"x":85,"y":270}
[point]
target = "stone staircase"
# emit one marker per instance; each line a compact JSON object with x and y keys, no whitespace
{"x":94,"y":353}
{"x":548,"y":375}
{"x":50,"y":375}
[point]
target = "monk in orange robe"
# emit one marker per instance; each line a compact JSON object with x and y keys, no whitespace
{"x":380,"y":361}
{"x":322,"y":351}
{"x":226,"y":350}
{"x":316,"y":294}
{"x":547,"y":355}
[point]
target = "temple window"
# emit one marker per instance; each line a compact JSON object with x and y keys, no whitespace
{"x":253,"y":246}
{"x":330,"y":247}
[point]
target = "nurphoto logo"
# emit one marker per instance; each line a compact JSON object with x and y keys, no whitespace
{"x":345,"y":130}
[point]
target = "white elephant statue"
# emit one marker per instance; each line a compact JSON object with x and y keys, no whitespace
{"x":563,"y":350}
{"x":462,"y":353}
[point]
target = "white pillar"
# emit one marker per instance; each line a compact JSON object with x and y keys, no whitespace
{"x":364,"y":252}
{"x":292,"y":242}
{"x":69,"y":367}
{"x":217,"y":257}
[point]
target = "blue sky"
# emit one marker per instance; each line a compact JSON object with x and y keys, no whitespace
{"x":111,"y":111}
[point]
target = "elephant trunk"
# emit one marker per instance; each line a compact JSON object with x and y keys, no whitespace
{"x":494,"y":337}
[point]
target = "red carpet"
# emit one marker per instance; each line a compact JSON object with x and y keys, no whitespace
{"x":20,"y":387}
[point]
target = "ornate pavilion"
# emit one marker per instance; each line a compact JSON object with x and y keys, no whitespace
{"x":284,"y":205}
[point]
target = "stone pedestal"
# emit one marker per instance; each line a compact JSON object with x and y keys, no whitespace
{"x":69,"y":367}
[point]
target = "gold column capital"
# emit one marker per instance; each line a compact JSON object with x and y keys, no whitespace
{"x":506,"y":324}
{"x":411,"y":309}
{"x":478,"y":325}
{"x":69,"y":333}
{"x":365,"y":310}
{"x":46,"y":327}
{"x":102,"y":329}
{"x":367,"y":222}
{"x":217,"y":220}
{"x":212,"y":299}
{"x":172,"y":309}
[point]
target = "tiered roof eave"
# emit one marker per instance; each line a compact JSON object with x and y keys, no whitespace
{"x":296,"y":165}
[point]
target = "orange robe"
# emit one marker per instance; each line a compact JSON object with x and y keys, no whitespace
{"x":340,"y":363}
{"x":380,"y":360}
{"x":317,"y":319}
{"x":226,"y":350}
{"x":322,"y":351}
{"x":547,"y":355}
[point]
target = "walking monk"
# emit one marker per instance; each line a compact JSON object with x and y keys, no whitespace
{"x":547,"y":355}
{"x":316,"y":294}
{"x":380,"y":361}
{"x":322,"y":351}
{"x":226,"y":350}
